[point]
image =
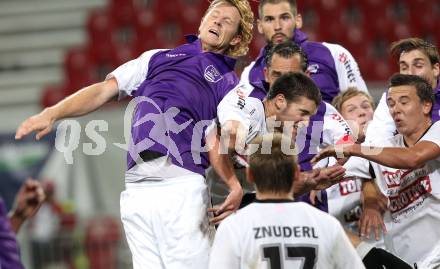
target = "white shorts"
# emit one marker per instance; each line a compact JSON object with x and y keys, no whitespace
{"x":166,"y":222}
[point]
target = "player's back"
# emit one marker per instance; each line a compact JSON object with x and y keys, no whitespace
{"x":282,"y":234}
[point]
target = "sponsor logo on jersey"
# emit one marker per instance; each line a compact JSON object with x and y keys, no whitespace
{"x":241,"y":98}
{"x":173,"y":55}
{"x":342,"y":122}
{"x":313,"y":68}
{"x":343,"y":58}
{"x":410,"y":194}
{"x":212,"y":74}
{"x":349,"y":185}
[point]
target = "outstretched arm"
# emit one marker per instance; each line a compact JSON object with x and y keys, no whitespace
{"x":82,"y":102}
{"x":396,"y":157}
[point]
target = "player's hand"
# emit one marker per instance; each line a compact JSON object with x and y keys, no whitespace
{"x":372,"y":218}
{"x":329,"y":176}
{"x":41,"y":124}
{"x":374,"y":205}
{"x":341,"y":152}
{"x":28,"y":200}
{"x":312,"y":196}
{"x":229,"y":206}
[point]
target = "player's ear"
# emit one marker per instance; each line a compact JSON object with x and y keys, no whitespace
{"x":427,"y":106}
{"x":298,"y":21}
{"x":249,"y":176}
{"x":280,"y":102}
{"x":266,"y":74}
{"x":235,"y":40}
{"x":297,"y":172}
{"x":307,"y":73}
{"x":260,"y":26}
{"x":436,"y":69}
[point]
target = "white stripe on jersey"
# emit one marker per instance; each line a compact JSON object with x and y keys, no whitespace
{"x":346,"y":68}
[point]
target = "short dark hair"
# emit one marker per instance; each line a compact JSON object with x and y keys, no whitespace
{"x":272,"y":172}
{"x":294,"y":85}
{"x":409,"y":44}
{"x":423,"y":87}
{"x":292,"y":4}
{"x":287,"y":50}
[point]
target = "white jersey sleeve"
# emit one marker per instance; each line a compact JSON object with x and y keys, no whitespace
{"x":244,"y":78}
{"x":433,"y":134}
{"x":382,"y":127}
{"x":347,"y":68}
{"x":131,"y":74}
{"x":237,"y":105}
{"x":358,"y":167}
{"x":335,"y":129}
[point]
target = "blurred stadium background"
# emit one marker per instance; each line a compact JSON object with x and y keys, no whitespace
{"x":51,"y":48}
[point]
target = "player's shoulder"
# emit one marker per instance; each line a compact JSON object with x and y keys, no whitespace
{"x":332,"y":114}
{"x":244,"y":77}
{"x":335,"y":48}
{"x":330,"y":109}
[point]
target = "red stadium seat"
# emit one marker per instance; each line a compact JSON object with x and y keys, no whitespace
{"x":123,"y":11}
{"x":78,"y":69}
{"x":52,"y":94}
{"x":100,"y":29}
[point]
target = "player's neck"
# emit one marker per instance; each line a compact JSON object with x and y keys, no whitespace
{"x":412,"y":138}
{"x":274,"y":196}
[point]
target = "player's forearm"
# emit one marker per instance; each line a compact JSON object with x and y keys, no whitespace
{"x":400,"y":158}
{"x":84,"y":101}
{"x":221,"y":162}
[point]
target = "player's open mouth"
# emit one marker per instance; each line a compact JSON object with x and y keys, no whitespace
{"x":214,"y":32}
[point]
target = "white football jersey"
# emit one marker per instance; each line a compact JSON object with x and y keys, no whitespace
{"x":413,"y":216}
{"x":344,"y":202}
{"x":238,"y":105}
{"x":282,"y":234}
{"x":381,"y":127}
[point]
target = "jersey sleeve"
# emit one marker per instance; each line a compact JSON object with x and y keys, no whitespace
{"x":238,"y":106}
{"x":335,"y":130}
{"x":347,"y":68}
{"x":224,"y":251}
{"x":344,"y":255}
{"x":131,"y":74}
{"x":433,"y":134}
{"x":358,"y":167}
{"x":381,"y":127}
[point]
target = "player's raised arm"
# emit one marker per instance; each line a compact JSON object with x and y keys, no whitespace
{"x":82,"y":102}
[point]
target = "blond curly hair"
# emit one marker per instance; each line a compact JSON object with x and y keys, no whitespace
{"x":244,"y":29}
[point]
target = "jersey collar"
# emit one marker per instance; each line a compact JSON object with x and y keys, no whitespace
{"x":195,"y":40}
